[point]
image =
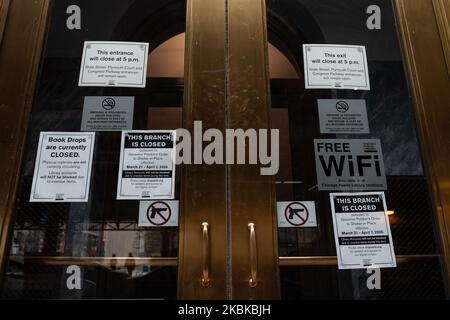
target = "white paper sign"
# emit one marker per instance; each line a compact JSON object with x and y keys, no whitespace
{"x":107,"y":114}
{"x":147,"y":165}
{"x":331,"y":66}
{"x":159,"y":213}
{"x":343,"y":116}
{"x":296,"y":214}
{"x":114,"y":64}
{"x":63,"y":167}
{"x":361,"y":230}
{"x":349,"y":165}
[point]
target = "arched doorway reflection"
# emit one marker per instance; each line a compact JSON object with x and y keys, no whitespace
{"x":167,"y":61}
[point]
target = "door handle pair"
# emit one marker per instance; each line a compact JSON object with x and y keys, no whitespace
{"x":206,"y":259}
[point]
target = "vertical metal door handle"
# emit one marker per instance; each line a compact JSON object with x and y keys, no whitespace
{"x":253,"y":259}
{"x":205,"y":255}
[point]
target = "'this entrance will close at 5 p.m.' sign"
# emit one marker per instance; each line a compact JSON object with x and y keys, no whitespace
{"x":362,"y":231}
{"x":63,"y":167}
{"x":349,"y":165}
{"x":147,"y":165}
{"x":296,"y":214}
{"x":159,"y":213}
{"x":114,"y":64}
{"x":331,"y":66}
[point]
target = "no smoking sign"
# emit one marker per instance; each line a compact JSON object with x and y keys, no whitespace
{"x":296,"y":214}
{"x":159,"y":213}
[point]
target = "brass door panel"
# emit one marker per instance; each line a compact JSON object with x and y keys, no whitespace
{"x":252,"y":195}
{"x":442,"y":11}
{"x":19,"y":65}
{"x":430,"y":88}
{"x":203,"y":190}
{"x":4,"y":6}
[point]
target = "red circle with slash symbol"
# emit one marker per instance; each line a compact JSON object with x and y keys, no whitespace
{"x":296,"y":211}
{"x":156,"y":214}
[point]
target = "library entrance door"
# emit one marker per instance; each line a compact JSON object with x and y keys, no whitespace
{"x":254,"y":217}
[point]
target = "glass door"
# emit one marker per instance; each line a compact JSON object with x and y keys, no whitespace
{"x":309,"y":265}
{"x":256,"y":217}
{"x":99,"y":249}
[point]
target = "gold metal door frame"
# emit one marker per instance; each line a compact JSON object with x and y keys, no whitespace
{"x":203,"y":253}
{"x":22,"y":36}
{"x":4,"y":6}
{"x":252,"y":195}
{"x":425,"y":34}
{"x":227,"y":88}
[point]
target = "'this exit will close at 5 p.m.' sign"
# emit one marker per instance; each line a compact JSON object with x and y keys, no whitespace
{"x":349,"y":165}
{"x":334,"y":66}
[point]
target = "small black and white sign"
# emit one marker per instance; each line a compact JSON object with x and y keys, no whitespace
{"x":343,"y":116}
{"x":62,"y":171}
{"x":296,"y":214}
{"x":332,"y":66}
{"x":107,"y":114}
{"x":349,"y":165}
{"x":361,"y":230}
{"x":159,"y":213}
{"x":114,"y":64}
{"x":147,"y":165}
